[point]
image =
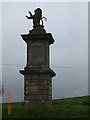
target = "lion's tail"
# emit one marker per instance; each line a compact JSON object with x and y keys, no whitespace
{"x":44,"y":18}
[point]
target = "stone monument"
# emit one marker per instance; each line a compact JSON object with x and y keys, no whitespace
{"x":37,"y":73}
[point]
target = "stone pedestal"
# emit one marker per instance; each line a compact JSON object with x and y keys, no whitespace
{"x":37,"y":73}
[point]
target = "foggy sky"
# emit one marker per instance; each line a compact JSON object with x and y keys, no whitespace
{"x":68,"y":23}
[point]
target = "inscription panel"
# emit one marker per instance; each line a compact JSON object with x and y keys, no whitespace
{"x":36,"y":53}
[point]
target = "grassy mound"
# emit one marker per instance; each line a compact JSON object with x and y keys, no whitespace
{"x":61,"y":108}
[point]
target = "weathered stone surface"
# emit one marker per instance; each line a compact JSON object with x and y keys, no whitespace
{"x":37,"y":73}
{"x":38,"y":89}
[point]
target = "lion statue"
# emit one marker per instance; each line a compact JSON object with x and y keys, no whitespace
{"x":36,"y":17}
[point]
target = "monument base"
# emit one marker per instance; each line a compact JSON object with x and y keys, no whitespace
{"x":38,"y":87}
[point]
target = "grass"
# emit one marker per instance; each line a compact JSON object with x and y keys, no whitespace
{"x":60,"y":108}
